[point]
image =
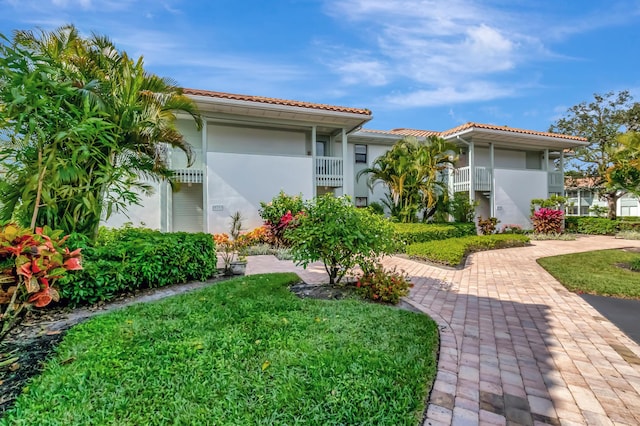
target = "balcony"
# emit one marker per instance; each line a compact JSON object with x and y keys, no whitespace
{"x":329,"y":172}
{"x":481,"y":177}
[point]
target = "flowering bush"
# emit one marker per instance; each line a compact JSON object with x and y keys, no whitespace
{"x":383,"y":286}
{"x":547,"y":221}
{"x":279,"y":215}
{"x":30,"y":264}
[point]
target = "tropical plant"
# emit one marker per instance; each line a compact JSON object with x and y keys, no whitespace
{"x":487,"y":226}
{"x":383,"y":286}
{"x":101,"y":129}
{"x":342,"y":236}
{"x":547,"y":221}
{"x":413,"y":172}
{"x":30,"y":265}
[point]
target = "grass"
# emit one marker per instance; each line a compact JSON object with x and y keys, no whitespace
{"x":596,"y":272}
{"x":245,"y":351}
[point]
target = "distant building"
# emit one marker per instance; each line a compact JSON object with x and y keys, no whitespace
{"x":582,"y":196}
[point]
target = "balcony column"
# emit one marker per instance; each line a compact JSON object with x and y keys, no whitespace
{"x":562,"y":170}
{"x":491,"y":166}
{"x":346,"y":190}
{"x":205,"y":179}
{"x":472,"y":173}
{"x":314,"y":161}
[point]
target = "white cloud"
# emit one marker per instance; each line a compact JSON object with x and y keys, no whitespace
{"x":443,"y":47}
{"x":448,"y":95}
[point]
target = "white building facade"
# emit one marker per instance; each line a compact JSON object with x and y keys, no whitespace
{"x":251,"y":148}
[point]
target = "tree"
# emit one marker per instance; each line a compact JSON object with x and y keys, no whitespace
{"x":626,"y":172}
{"x":601,"y":122}
{"x":122,"y":119}
{"x":412,"y":171}
{"x":340,"y":235}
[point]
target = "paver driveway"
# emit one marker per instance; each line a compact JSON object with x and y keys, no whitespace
{"x":516,"y":346}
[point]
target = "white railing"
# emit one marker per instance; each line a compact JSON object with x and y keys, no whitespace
{"x":188,"y":175}
{"x":481,"y":176}
{"x":556,"y":181}
{"x":329,"y":171}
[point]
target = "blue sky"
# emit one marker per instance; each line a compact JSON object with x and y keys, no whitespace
{"x":425,"y":64}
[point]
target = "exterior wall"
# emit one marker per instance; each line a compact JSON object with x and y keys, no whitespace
{"x":628,"y":205}
{"x":250,"y":140}
{"x":239,"y":182}
{"x":514,"y":190}
{"x":148,"y":214}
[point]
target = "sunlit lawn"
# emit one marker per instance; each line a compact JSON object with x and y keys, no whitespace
{"x":596,"y":272}
{"x":245,"y":351}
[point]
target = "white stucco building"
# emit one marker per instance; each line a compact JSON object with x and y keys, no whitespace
{"x":251,"y":147}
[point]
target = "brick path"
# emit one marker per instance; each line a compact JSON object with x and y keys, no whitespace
{"x":516,"y":346}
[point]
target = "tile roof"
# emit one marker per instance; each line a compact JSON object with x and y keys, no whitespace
{"x":586,"y":182}
{"x":415,"y":132}
{"x":276,"y":101}
{"x":510,"y":129}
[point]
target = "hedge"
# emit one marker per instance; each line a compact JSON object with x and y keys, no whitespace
{"x":453,"y":251}
{"x":410,"y":233}
{"x":129,"y":259}
{"x":599,"y":225}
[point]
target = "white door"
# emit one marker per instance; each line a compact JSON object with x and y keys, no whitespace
{"x":187,"y":208}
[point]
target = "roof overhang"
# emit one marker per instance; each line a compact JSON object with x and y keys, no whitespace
{"x":512,"y":139}
{"x":325,"y":120}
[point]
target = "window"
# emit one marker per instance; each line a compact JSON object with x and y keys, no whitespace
{"x":361,"y":153}
{"x":362,"y":202}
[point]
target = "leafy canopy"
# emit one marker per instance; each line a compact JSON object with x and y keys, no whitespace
{"x":602,"y":122}
{"x":342,"y":236}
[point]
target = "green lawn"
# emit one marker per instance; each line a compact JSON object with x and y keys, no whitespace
{"x":595,"y":272}
{"x":245,"y":351}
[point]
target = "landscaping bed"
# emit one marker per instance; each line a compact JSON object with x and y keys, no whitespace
{"x":246,"y":350}
{"x":453,"y":251}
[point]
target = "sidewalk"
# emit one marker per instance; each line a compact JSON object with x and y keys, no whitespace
{"x":516,"y":346}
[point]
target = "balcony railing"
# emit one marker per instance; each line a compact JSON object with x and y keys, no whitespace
{"x":329,"y":171}
{"x":461,"y":179}
{"x":188,"y":175}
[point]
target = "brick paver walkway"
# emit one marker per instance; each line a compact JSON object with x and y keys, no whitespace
{"x":516,"y":346}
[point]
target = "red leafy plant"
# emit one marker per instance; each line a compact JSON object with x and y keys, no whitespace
{"x":30,"y":264}
{"x":384,"y":286}
{"x":547,"y":221}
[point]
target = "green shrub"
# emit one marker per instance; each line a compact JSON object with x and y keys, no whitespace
{"x":591,"y":225}
{"x":340,"y":235}
{"x":383,"y":286}
{"x":409,"y":233}
{"x":452,"y":251}
{"x":635,"y":265}
{"x":129,"y":259}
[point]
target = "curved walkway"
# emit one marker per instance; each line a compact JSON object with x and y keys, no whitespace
{"x":516,"y":346}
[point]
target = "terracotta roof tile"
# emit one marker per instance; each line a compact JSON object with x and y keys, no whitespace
{"x":275,"y":101}
{"x":510,"y":129}
{"x":415,"y":132}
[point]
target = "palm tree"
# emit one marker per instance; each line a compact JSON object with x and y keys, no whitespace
{"x":135,"y":112}
{"x":412,"y":171}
